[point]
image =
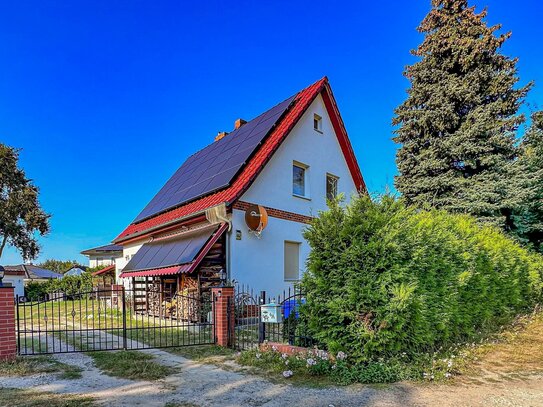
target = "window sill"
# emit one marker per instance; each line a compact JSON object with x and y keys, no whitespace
{"x":302,"y":197}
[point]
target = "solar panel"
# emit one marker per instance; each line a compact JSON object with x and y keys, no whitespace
{"x":215,"y":166}
{"x":171,"y":252}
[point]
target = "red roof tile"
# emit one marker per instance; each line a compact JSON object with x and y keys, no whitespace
{"x":228,"y":195}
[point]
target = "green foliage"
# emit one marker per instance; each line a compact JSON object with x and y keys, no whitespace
{"x":58,"y":266}
{"x":20,"y":213}
{"x":384,"y":279}
{"x":69,"y":285}
{"x":528,"y":219}
{"x":35,"y":291}
{"x":457,"y":127}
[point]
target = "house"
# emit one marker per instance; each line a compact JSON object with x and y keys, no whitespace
{"x":75,"y":270}
{"x":16,"y":279}
{"x":33,"y":273}
{"x":236,"y":210}
{"x":103,"y":255}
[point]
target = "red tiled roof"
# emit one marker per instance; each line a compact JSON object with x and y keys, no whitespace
{"x":228,"y":195}
{"x":104,"y":270}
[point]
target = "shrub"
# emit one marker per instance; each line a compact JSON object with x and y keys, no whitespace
{"x":384,"y":279}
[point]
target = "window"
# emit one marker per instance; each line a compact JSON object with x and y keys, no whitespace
{"x":331,"y":186}
{"x":299,"y":180}
{"x":292,"y":261}
{"x":317,"y":123}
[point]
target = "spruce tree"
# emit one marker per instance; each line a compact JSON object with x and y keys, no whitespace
{"x":528,"y":220}
{"x":456,"y":129}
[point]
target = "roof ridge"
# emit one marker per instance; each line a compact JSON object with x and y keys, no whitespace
{"x":246,"y":175}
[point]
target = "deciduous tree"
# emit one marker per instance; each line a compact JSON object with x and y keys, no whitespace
{"x":21,"y":216}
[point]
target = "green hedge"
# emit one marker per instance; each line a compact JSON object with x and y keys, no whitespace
{"x":384,"y":279}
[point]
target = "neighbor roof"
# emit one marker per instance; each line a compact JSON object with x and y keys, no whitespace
{"x":106,"y":248}
{"x":284,"y":118}
{"x":34,"y":272}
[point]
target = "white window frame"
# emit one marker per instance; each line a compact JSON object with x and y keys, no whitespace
{"x":305,"y":167}
{"x":298,"y":245}
{"x":317,"y":123}
{"x":328,"y":175}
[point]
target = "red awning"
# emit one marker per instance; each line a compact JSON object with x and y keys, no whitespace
{"x":197,"y":248}
{"x":185,"y":268}
{"x":104,"y":270}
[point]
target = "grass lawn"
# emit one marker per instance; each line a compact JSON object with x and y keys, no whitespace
{"x":28,"y":365}
{"x":205,"y":353}
{"x":29,"y":398}
{"x":132,"y":365}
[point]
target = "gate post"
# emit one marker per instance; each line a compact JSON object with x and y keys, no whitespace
{"x":8,"y":344}
{"x":261,"y":325}
{"x":223,"y":304}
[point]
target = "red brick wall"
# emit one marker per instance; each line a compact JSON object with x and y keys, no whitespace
{"x":8,"y":346}
{"x":223,"y":297}
{"x":276,"y":213}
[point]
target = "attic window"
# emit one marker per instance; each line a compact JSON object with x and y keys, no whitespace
{"x":331,"y":186}
{"x":300,"y":187}
{"x":317,"y":123}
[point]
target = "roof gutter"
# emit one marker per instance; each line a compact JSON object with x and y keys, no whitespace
{"x":163,"y":227}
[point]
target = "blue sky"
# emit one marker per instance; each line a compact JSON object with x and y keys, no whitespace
{"x":107,"y":98}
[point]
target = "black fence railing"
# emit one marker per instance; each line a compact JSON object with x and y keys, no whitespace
{"x":289,"y":326}
{"x":113,"y":319}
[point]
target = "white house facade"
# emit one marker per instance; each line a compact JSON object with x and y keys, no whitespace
{"x":286,"y":163}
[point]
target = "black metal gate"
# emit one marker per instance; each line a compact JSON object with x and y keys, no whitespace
{"x":249,"y":330}
{"x":113,"y":319}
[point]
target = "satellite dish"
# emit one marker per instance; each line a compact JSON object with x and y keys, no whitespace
{"x":256,"y":219}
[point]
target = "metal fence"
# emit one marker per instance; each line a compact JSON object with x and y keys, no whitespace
{"x":249,"y":329}
{"x":113,"y":319}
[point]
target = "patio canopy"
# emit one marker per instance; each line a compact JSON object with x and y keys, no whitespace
{"x":175,"y":255}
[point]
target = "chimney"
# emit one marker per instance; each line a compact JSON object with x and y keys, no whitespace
{"x":238,"y":123}
{"x":220,"y":135}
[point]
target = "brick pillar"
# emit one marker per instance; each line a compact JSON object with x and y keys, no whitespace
{"x":223,"y":297}
{"x":8,"y":345}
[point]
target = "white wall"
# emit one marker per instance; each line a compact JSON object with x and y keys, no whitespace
{"x":128,"y":251}
{"x":106,"y":260}
{"x":259,"y":263}
{"x":17,"y":282}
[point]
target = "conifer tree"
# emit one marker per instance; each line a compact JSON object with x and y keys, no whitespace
{"x":528,"y":220}
{"x":456,"y":129}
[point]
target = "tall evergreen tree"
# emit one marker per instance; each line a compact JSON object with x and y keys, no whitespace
{"x":457,"y":126}
{"x":528,"y":219}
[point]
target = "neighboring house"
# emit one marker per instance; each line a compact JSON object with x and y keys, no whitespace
{"x":193,"y":234}
{"x":34,"y":273}
{"x":75,"y":270}
{"x":103,"y":255}
{"x":16,"y":279}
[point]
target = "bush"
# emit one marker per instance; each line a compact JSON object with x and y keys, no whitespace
{"x":35,"y":291}
{"x":384,"y":279}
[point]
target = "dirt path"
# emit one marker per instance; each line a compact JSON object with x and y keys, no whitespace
{"x":206,"y":385}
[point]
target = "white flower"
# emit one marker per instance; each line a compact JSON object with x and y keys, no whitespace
{"x":311,"y":362}
{"x":341,"y":355}
{"x":450,"y":363}
{"x":258,"y":355}
{"x":334,"y":366}
{"x":287,"y":374}
{"x":286,"y":362}
{"x":447,"y":375}
{"x":284,"y":356}
{"x":274,"y":348}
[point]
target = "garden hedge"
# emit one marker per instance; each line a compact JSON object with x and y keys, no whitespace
{"x":384,"y":279}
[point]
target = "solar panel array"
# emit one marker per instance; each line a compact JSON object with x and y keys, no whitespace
{"x":172,"y":252}
{"x":215,"y":166}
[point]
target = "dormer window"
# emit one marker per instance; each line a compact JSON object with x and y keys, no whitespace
{"x":317,"y":123}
